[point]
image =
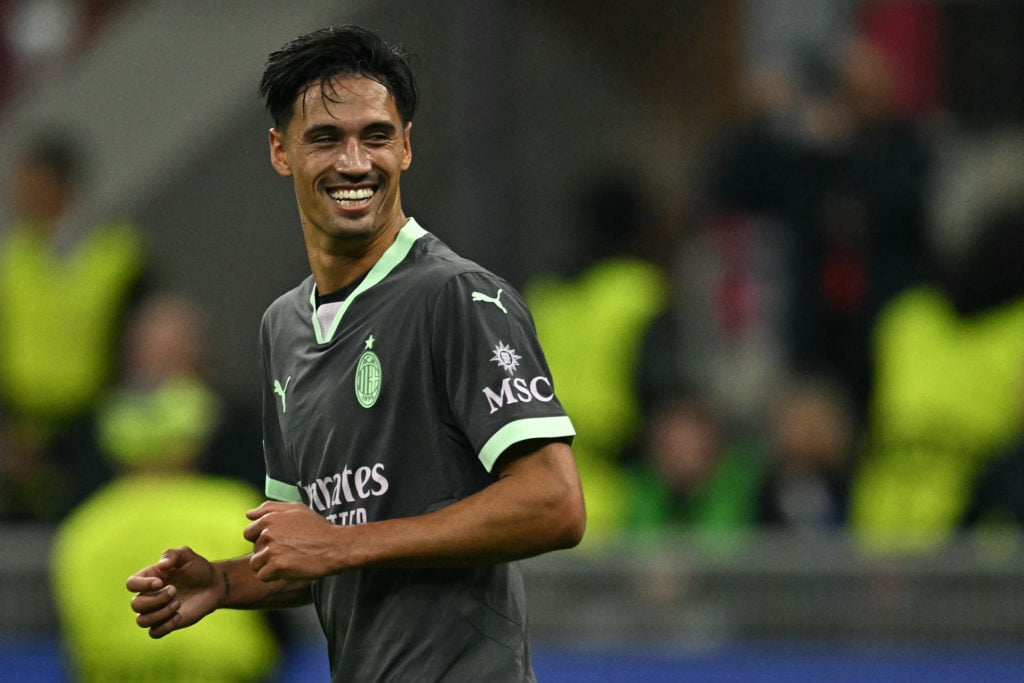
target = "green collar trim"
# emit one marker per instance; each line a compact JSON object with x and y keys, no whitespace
{"x":394,"y":255}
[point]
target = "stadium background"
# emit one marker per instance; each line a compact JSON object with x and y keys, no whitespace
{"x":521,"y":102}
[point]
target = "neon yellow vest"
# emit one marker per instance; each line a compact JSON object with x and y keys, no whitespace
{"x":120,"y":530}
{"x":949,"y":392}
{"x":59,"y":315}
{"x":590,"y":329}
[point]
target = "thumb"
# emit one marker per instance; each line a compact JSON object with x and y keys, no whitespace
{"x":175,"y":557}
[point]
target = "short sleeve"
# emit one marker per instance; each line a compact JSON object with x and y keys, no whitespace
{"x":491,"y":367}
{"x":280,"y":483}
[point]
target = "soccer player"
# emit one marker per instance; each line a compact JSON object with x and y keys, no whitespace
{"x":414,"y":444}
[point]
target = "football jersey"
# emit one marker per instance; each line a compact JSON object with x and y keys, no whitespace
{"x":395,"y":402}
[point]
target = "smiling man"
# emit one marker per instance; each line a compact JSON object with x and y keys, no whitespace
{"x":414,"y":444}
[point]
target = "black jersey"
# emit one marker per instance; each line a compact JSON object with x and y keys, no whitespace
{"x":396,"y":402}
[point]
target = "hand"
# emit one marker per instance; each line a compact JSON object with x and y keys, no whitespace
{"x":176,"y":592}
{"x":290,"y":541}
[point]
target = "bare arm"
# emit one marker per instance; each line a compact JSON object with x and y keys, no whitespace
{"x":535,"y":506}
{"x":183,"y":587}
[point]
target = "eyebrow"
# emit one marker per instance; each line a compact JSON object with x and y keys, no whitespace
{"x":386,"y":127}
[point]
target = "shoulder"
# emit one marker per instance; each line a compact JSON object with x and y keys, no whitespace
{"x":294,"y":302}
{"x":441,"y":272}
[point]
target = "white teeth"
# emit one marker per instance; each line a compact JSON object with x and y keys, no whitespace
{"x":350,"y":195}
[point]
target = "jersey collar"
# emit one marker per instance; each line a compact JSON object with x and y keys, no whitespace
{"x":394,"y":255}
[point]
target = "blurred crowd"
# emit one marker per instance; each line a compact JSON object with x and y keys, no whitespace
{"x":802,"y":352}
{"x":113,"y":427}
{"x":113,"y":423}
{"x":806,"y":352}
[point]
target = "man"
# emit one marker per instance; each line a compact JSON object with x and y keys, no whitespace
{"x":414,"y":443}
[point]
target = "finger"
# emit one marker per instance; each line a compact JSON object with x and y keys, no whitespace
{"x":264,"y":508}
{"x":258,"y":560}
{"x":175,"y":557}
{"x":161,"y":629}
{"x":142,"y":583}
{"x":145,"y":603}
{"x":158,"y":617}
{"x":253,"y":530}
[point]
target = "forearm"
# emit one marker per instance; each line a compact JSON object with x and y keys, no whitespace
{"x":242,"y":589}
{"x":534,"y":507}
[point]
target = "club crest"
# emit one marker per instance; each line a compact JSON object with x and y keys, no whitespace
{"x":368,"y":376}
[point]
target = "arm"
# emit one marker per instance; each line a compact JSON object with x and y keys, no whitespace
{"x":183,"y":587}
{"x":536,"y":505}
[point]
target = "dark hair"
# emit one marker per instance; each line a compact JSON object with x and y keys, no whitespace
{"x":320,"y":56}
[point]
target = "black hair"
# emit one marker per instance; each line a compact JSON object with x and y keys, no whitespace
{"x":320,"y":56}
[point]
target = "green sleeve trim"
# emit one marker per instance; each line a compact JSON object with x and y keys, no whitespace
{"x":278,"y":490}
{"x":521,"y":430}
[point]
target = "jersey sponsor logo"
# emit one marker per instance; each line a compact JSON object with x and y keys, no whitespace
{"x":519,"y":390}
{"x":368,"y":376}
{"x":279,"y":390}
{"x":506,"y":357}
{"x":515,"y":389}
{"x":496,"y":299}
{"x":345,"y":488}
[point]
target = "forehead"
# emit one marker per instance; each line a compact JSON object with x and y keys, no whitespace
{"x":345,"y":99}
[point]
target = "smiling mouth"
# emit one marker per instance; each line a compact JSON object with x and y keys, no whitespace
{"x":352,"y":198}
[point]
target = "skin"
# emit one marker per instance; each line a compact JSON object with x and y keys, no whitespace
{"x":535,"y":505}
{"x":353,"y":140}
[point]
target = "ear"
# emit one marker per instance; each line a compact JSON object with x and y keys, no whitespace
{"x":278,"y":157}
{"x":407,"y":144}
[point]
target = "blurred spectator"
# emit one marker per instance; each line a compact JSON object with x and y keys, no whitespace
{"x":722,"y":333}
{"x":815,"y":203}
{"x":811,"y":440}
{"x":860,"y":217}
{"x":39,"y":39}
{"x":156,"y":428}
{"x":691,"y":475}
{"x":590,"y":322}
{"x":165,"y":358}
{"x":949,"y":386}
{"x":65,"y":285}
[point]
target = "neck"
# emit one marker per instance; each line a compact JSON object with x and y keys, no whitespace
{"x":336,"y":263}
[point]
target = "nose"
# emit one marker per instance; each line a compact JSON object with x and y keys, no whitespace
{"x":352,"y":159}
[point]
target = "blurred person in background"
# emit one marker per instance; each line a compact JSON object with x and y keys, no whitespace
{"x":692,"y":475}
{"x":166,"y":346}
{"x":860,"y":223}
{"x":66,"y":285}
{"x":155,"y":429}
{"x":949,"y":386}
{"x":811,"y":441}
{"x":591,"y":320}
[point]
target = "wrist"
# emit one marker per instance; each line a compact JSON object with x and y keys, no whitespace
{"x":225,"y":586}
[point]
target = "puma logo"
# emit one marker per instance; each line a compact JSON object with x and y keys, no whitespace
{"x":478,"y":296}
{"x":279,"y":390}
